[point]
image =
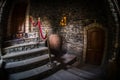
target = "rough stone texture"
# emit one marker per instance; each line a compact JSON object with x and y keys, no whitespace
{"x":78,"y":15}
{"x":72,"y":38}
{"x":3,"y":22}
{"x":78,"y":12}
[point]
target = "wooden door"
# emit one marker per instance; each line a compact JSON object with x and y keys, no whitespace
{"x":95,"y":45}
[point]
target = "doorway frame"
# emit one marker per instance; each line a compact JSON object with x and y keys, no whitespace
{"x":26,"y":16}
{"x":94,"y":25}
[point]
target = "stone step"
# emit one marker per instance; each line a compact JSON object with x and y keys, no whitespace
{"x":68,"y":58}
{"x":28,"y":64}
{"x":36,"y":73}
{"x":22,"y":47}
{"x":13,"y":57}
{"x":23,"y":44}
{"x":81,"y":73}
{"x":63,"y":75}
{"x":1,"y":63}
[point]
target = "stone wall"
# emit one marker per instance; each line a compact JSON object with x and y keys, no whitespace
{"x":79,"y":14}
{"x":4,"y":13}
{"x":114,"y":18}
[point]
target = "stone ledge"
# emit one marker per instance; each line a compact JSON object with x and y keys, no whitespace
{"x":1,"y":63}
{"x":22,"y":47}
{"x":24,"y":52}
{"x":68,"y":58}
{"x":33,"y":72}
{"x":28,"y":61}
{"x":18,"y":45}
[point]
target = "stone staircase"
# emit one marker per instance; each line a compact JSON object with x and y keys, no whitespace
{"x":35,"y":73}
{"x":30,"y":64}
{"x":34,"y":64}
{"x":24,"y":54}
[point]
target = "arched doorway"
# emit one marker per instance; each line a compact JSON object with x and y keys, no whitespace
{"x":17,"y":19}
{"x":94,"y":44}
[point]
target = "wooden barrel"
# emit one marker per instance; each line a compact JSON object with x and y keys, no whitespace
{"x":55,"y":44}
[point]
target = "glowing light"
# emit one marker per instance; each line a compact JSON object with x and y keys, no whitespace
{"x":63,"y":21}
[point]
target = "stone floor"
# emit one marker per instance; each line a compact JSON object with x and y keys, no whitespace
{"x":78,"y":71}
{"x":73,"y":73}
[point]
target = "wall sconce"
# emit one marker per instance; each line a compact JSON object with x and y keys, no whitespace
{"x":63,"y":21}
